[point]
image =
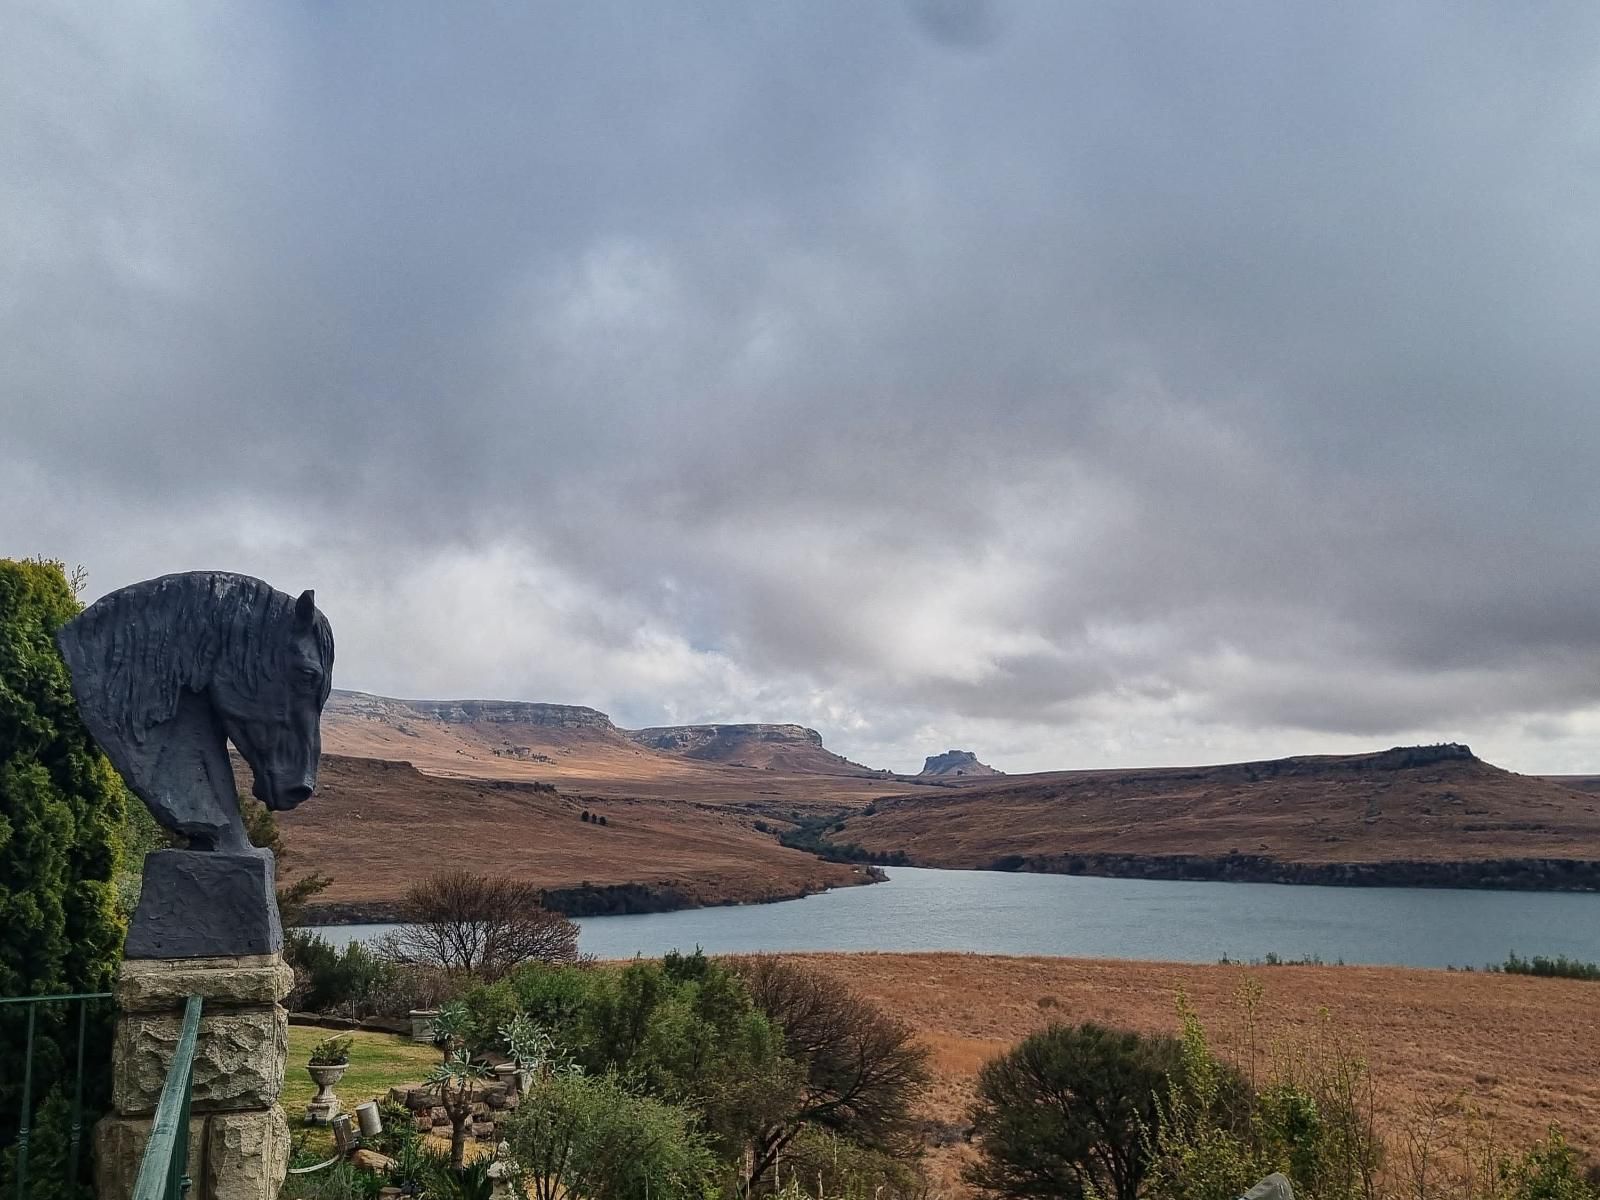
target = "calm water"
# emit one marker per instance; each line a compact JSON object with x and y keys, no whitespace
{"x":1119,"y":918}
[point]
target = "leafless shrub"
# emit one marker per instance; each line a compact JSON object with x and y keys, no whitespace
{"x":466,"y":924}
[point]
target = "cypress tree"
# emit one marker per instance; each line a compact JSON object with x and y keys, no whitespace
{"x":62,"y":806}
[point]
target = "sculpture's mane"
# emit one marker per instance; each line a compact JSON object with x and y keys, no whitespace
{"x":173,"y":633}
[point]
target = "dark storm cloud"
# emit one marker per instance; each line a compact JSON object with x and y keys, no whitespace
{"x":1102,"y":383}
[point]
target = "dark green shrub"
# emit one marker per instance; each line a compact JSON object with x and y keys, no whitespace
{"x":62,"y":810}
{"x":352,"y":982}
{"x":490,"y":1007}
{"x":1559,"y":967}
{"x":1062,"y":1113}
{"x":581,"y":1136}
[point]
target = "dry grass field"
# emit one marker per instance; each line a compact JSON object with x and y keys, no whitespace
{"x":1310,"y":810}
{"x":375,"y":826}
{"x":1526,"y":1050}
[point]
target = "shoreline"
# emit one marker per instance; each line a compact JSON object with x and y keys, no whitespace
{"x":582,"y":900}
{"x":1489,"y":875}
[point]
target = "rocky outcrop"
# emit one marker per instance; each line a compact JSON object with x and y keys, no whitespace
{"x":698,"y":741}
{"x":774,"y":747}
{"x":468,"y":712}
{"x":956,"y":762}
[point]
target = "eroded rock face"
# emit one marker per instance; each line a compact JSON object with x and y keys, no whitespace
{"x":467,"y":712}
{"x":238,"y":1062}
{"x":247,"y":1155}
{"x":687,"y":739}
{"x":956,"y":762}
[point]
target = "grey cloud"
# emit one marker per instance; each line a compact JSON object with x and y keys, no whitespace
{"x":1141,"y":380}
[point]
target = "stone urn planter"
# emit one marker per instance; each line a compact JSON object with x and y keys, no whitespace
{"x":330,"y":1059}
{"x":324,"y":1106}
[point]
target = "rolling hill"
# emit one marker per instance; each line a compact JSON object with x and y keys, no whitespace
{"x":792,"y":748}
{"x":375,"y":826}
{"x":1409,"y":816}
{"x":1418,"y":815}
{"x":773,"y":768}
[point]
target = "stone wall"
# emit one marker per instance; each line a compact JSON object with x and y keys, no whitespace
{"x":429,"y":1115}
{"x":238,"y":1136}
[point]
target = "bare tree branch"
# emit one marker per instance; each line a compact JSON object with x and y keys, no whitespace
{"x":469,"y":924}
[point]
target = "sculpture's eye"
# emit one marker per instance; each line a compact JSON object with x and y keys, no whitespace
{"x":308,"y":676}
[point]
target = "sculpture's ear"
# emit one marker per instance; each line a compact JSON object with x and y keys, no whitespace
{"x":304,"y":609}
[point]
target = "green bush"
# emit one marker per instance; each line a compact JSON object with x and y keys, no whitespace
{"x":1311,"y":1120}
{"x":1549,"y":1170}
{"x":1063,"y":1113}
{"x":62,"y":810}
{"x":1559,"y":967}
{"x":490,"y":1007}
{"x":584,"y":1138}
{"x":352,"y":982}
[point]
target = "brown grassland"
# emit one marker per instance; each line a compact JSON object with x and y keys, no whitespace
{"x":602,"y":762}
{"x":1312,"y":810}
{"x":377,"y":826}
{"x":1525,"y":1050}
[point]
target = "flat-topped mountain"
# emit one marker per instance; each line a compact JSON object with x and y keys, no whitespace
{"x":1423,"y":810}
{"x":956,"y":762}
{"x":571,"y":745}
{"x":775,"y":747}
{"x":469,"y":712}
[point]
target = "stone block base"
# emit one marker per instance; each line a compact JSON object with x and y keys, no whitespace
{"x":238,"y":1136}
{"x":238,"y":1062}
{"x":119,"y":1146}
{"x":232,"y":1156}
{"x":247,"y":1155}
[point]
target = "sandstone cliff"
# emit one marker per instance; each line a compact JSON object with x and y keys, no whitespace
{"x":956,"y":762}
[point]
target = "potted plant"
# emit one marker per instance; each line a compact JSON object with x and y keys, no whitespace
{"x":330,"y":1059}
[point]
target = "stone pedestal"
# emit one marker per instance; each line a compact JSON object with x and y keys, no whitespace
{"x":206,"y":902}
{"x":238,"y":1136}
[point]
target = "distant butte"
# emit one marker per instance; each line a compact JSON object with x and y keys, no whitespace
{"x":956,"y":762}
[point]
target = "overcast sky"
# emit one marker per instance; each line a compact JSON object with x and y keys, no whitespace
{"x":1081,"y":384}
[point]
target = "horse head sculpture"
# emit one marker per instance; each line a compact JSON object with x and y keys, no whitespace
{"x":168,"y":671}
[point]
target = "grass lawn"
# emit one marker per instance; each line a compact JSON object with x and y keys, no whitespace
{"x":378,"y":1062}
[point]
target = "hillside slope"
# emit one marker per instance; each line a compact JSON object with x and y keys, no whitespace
{"x":1284,"y":819}
{"x":956,"y":764}
{"x":792,"y":748}
{"x":376,"y":826}
{"x":774,"y":768}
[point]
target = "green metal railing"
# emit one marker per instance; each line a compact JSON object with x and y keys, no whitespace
{"x":164,"y":1169}
{"x":25,"y":1121}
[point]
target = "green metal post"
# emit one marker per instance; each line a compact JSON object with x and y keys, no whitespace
{"x":162,"y":1174}
{"x":77,"y":1095}
{"x":27,"y":1107}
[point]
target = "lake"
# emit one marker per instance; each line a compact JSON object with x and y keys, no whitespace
{"x":993,"y":913}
